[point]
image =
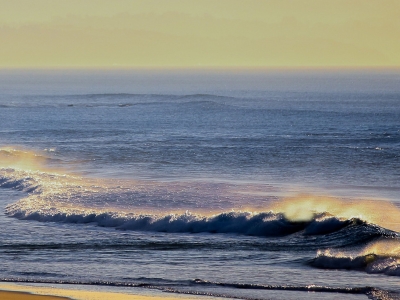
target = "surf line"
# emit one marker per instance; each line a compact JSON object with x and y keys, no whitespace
{"x":371,"y":292}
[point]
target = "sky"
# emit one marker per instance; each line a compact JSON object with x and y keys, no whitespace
{"x":199,"y":33}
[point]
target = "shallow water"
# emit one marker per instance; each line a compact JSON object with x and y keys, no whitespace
{"x":255,"y":185}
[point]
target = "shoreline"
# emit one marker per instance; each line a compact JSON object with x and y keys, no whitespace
{"x":17,"y":291}
{"x":12,"y":295}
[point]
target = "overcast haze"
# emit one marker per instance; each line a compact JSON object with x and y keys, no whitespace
{"x":224,"y":33}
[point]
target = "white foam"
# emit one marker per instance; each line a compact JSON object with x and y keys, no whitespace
{"x":381,"y":257}
{"x":154,"y":206}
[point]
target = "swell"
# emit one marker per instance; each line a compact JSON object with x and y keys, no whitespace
{"x":132,"y":95}
{"x":351,"y":236}
{"x":118,"y":100}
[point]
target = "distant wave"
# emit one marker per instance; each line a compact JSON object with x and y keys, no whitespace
{"x":116,"y":100}
{"x":125,"y":96}
{"x":204,"y":96}
{"x":130,"y":95}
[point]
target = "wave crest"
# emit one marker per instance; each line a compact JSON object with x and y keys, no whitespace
{"x":156,"y":206}
{"x":382,"y":256}
{"x":267,"y":224}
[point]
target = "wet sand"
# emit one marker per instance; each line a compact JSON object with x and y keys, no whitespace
{"x":9,"y":291}
{"x":5,"y":295}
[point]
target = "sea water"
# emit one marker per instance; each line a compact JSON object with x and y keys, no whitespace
{"x":239,"y":184}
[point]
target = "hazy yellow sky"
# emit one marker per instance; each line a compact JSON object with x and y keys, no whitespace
{"x":199,"y":33}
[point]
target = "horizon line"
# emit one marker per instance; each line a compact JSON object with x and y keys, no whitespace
{"x":201,"y":68}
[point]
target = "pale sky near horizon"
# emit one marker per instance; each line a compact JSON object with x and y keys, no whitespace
{"x":199,"y":33}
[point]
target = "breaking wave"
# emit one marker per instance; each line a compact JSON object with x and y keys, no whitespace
{"x":66,"y":199}
{"x":381,"y":256}
{"x":182,"y":207}
{"x":311,"y":222}
{"x":247,"y":223}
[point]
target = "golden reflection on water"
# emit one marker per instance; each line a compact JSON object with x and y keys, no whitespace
{"x":58,"y":190}
{"x":305,"y":206}
{"x":384,"y":248}
{"x":11,"y":157}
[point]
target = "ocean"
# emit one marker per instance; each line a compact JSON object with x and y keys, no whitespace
{"x":240,"y":184}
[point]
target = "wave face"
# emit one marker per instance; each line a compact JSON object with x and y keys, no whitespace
{"x":379,"y":257}
{"x":185,"y":207}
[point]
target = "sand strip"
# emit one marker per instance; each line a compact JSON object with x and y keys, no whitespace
{"x":5,"y":295}
{"x":10,"y":291}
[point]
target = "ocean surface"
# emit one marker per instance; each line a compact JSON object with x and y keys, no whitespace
{"x":237,"y":184}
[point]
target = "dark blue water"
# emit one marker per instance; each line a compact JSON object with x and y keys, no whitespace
{"x":194,"y":169}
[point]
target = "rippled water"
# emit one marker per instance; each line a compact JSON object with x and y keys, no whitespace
{"x":256,"y":185}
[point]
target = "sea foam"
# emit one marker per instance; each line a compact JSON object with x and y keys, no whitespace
{"x":381,"y":256}
{"x":53,"y":197}
{"x":194,"y":207}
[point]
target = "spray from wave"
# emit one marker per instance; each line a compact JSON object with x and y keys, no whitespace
{"x":56,"y":196}
{"x":382,"y":256}
{"x":11,"y":157}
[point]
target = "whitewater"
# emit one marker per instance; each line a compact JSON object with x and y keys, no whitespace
{"x":228,"y":184}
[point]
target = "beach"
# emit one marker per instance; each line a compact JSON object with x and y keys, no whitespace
{"x":9,"y":291}
{"x":8,"y":295}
